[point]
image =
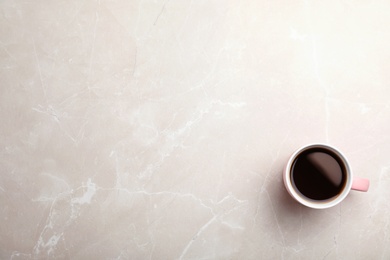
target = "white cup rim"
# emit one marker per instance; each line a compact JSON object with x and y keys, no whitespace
{"x":309,"y":202}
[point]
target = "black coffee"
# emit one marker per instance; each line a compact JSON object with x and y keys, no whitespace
{"x":318,"y":174}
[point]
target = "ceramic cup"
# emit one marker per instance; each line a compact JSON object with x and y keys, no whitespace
{"x":349,"y":181}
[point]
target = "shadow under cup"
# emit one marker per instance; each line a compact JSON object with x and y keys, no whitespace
{"x":318,"y":176}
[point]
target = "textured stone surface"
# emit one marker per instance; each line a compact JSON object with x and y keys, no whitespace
{"x":159,"y":129}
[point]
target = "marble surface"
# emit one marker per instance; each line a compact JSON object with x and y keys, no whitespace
{"x":159,"y":129}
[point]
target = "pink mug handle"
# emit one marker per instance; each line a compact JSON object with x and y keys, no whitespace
{"x":360,"y":184}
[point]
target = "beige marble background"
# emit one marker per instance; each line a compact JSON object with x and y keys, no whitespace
{"x":159,"y":129}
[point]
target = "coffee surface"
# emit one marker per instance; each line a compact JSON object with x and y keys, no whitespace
{"x":318,"y":174}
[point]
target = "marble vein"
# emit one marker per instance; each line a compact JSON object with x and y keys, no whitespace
{"x":194,"y":238}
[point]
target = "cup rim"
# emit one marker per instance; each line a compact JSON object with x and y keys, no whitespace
{"x":311,"y":203}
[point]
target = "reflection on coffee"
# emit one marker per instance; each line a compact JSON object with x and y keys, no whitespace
{"x":318,"y":174}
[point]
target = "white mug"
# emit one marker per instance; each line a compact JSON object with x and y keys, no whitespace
{"x":314,"y":160}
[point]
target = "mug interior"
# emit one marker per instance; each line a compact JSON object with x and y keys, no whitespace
{"x":319,"y":204}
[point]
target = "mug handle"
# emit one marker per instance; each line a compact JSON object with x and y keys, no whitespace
{"x":360,"y":184}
